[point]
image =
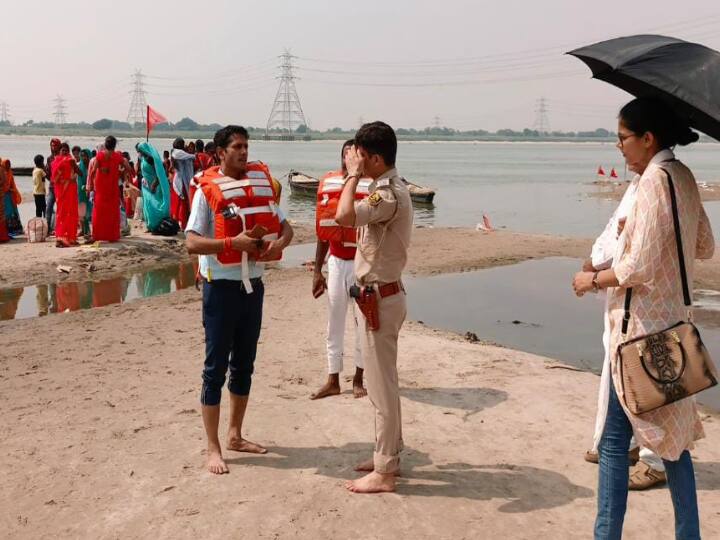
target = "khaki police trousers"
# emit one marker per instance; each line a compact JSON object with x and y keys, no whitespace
{"x":379,"y":351}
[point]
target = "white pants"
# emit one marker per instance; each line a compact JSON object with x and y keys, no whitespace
{"x":341,"y":276}
{"x":649,"y":457}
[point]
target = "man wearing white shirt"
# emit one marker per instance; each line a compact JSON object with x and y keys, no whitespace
{"x":232,"y":302}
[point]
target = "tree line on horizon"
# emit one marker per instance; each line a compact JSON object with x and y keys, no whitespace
{"x":188,"y":124}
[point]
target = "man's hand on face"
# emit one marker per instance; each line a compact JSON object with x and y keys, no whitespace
{"x":354,"y":161}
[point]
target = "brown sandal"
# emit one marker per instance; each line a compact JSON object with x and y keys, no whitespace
{"x":643,"y":476}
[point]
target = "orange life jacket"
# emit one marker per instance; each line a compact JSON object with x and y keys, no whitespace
{"x":328,"y":197}
{"x":239,"y":204}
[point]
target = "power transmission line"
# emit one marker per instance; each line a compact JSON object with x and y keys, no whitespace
{"x":138,"y":104}
{"x":542,"y":124}
{"x":286,"y":113}
{"x":4,"y":113}
{"x":60,"y":111}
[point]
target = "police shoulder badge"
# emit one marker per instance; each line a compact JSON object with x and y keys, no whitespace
{"x":374,"y":199}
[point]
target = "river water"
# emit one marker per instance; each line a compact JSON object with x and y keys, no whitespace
{"x":526,"y":187}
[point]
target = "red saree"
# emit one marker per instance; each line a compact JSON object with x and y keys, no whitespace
{"x":66,"y":198}
{"x":106,"y":208}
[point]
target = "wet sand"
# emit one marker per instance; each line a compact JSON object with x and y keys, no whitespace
{"x":102,"y":436}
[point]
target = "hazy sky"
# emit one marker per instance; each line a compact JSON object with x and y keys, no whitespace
{"x":472,"y":64}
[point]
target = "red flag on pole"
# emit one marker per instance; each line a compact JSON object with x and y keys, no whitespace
{"x":153,"y":118}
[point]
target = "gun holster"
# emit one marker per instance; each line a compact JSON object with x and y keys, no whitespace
{"x":366,"y":299}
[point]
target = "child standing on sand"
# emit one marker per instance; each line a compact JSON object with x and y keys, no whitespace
{"x":38,"y":177}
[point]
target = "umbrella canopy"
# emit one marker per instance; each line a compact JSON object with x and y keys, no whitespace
{"x":683,"y":74}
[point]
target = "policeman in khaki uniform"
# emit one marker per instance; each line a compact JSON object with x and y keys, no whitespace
{"x":384,"y":220}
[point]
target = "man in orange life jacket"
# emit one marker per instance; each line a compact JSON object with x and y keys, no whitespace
{"x":228,"y":228}
{"x":384,"y":220}
{"x":341,"y":276}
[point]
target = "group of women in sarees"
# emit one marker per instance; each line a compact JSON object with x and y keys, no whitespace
{"x":88,"y":193}
{"x":87,"y":190}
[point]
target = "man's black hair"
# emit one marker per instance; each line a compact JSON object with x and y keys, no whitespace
{"x":377,"y":138}
{"x":199,"y":145}
{"x":39,"y":161}
{"x":76,"y":148}
{"x":65,"y":146}
{"x":179,"y":144}
{"x":110,"y":143}
{"x":224,"y":136}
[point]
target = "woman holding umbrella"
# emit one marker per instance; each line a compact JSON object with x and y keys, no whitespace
{"x":647,"y":261}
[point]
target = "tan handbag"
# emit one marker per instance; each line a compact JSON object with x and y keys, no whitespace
{"x":664,"y":367}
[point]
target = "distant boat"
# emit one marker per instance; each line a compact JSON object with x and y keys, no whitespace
{"x":22,"y":171}
{"x":302,"y":184}
{"x":419,"y":194}
{"x":306,"y":186}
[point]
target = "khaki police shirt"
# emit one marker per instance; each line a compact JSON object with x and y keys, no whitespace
{"x":384,"y":222}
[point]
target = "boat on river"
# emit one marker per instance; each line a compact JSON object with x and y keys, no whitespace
{"x":306,"y":186}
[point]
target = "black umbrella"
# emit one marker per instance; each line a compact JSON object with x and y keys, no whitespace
{"x":685,"y":75}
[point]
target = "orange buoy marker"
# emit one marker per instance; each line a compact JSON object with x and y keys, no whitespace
{"x":613,"y":174}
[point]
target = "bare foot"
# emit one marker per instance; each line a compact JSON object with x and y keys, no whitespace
{"x":359,"y":390}
{"x":216,"y":463}
{"x":372,"y":483}
{"x":369,"y":466}
{"x":241,"y":445}
{"x":328,"y":389}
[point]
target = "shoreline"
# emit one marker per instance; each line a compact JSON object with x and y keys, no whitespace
{"x":434,"y":250}
{"x":614,"y":191}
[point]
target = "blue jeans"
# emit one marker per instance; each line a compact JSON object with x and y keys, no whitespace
{"x":232,"y":320}
{"x":614,"y":477}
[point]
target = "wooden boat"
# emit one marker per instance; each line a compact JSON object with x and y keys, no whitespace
{"x":419,"y":194}
{"x":307,"y":186}
{"x":302,"y":184}
{"x":22,"y":171}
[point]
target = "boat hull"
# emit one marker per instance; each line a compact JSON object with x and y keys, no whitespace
{"x":307,"y":186}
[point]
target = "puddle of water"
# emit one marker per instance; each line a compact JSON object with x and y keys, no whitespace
{"x":40,"y":300}
{"x":529,"y":306}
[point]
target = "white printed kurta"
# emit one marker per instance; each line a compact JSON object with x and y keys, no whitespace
{"x":649,"y":264}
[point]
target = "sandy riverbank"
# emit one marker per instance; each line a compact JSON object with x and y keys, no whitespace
{"x":102,"y":436}
{"x":104,"y":440}
{"x":433,"y":251}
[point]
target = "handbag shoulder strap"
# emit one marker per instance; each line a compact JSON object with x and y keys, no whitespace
{"x":680,"y":253}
